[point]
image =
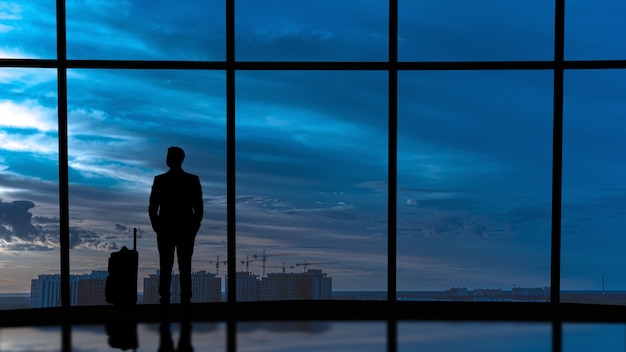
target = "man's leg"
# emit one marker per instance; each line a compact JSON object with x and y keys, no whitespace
{"x":166,"y":263}
{"x":185,"y":252}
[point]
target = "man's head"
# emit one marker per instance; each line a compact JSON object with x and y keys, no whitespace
{"x":175,"y":157}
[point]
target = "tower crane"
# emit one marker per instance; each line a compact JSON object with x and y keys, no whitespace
{"x":306,"y":264}
{"x":217,"y":265}
{"x":281,"y":266}
{"x":264,"y":257}
{"x":248,"y":261}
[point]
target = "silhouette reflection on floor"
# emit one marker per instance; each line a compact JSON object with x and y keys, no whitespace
{"x":309,"y":336}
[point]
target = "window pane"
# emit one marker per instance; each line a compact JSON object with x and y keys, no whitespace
{"x":594,"y":187}
{"x":483,"y":30}
{"x":595,"y":30}
{"x":474,"y":336}
{"x":311,"y":181}
{"x":312,"y":336}
{"x":320,"y":30}
{"x":118,"y":140}
{"x":474,"y":185}
{"x":189,"y":30}
{"x":29,"y":186}
{"x":28,"y":29}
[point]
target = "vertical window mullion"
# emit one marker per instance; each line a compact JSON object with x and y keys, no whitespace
{"x":392,"y":324}
{"x":230,"y":145}
{"x":393,"y":137}
{"x":231,"y":338}
{"x":64,"y":227}
{"x":557,"y":142}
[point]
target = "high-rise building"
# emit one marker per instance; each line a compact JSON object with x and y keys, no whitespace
{"x":206,"y":287}
{"x":312,"y":284}
{"x":46,"y":291}
{"x":248,"y":286}
{"x":91,"y":288}
{"x":151,"y":288}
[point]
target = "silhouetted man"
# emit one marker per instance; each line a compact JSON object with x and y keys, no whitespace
{"x":176,"y":211}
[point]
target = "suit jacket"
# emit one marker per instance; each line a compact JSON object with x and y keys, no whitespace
{"x":176,"y":202}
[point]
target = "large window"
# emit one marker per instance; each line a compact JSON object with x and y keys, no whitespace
{"x":593,"y":185}
{"x":29,"y":182}
{"x":312,"y":175}
{"x":356,"y":150}
{"x":474,"y":181}
{"x":120,"y":124}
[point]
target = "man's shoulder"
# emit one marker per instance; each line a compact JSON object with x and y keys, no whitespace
{"x":160,"y":176}
{"x":190,"y":175}
{"x":178,"y":175}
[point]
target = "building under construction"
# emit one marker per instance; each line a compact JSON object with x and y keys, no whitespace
{"x":312,"y":284}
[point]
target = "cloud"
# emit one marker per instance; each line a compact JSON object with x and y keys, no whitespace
{"x":81,"y":238}
{"x":17,"y":231}
{"x":9,"y":11}
{"x":28,"y":114}
{"x":297,"y":31}
{"x":21,"y":231}
{"x":15,"y":219}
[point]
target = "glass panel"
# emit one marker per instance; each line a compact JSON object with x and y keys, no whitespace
{"x":320,"y":30}
{"x":118,"y":140}
{"x":28,"y":29}
{"x":474,"y":336}
{"x":594,"y":337}
{"x":595,"y":30}
{"x":483,"y":30}
{"x":594,"y":187}
{"x":310,"y":336}
{"x":189,"y":30}
{"x":311,"y":184}
{"x":474,"y":185}
{"x":29,"y":187}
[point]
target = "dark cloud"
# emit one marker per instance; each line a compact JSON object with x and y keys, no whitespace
{"x":438,"y":223}
{"x":85,"y":238}
{"x":45,"y":220}
{"x":21,"y":231}
{"x":15,"y":219}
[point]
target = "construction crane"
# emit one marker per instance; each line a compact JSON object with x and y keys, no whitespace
{"x":217,"y":265}
{"x":264,"y":257}
{"x":306,"y":264}
{"x":281,"y":266}
{"x":248,"y":261}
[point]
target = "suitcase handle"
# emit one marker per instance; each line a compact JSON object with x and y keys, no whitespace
{"x":135,"y":238}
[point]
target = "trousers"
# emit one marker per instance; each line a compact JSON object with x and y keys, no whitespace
{"x":181,"y":245}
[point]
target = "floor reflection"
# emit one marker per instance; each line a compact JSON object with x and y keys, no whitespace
{"x":166,"y":342}
{"x":122,"y":334}
{"x":309,"y":336}
{"x":174,"y":336}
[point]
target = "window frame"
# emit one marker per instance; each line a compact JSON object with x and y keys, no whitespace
{"x":391,"y":309}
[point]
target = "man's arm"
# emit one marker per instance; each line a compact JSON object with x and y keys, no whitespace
{"x":153,"y":206}
{"x":198,"y":203}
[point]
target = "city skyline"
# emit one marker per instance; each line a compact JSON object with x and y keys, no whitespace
{"x":474,"y":147}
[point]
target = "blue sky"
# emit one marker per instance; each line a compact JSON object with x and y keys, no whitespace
{"x":474,"y":147}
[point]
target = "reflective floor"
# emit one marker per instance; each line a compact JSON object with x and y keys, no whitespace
{"x":305,"y":336}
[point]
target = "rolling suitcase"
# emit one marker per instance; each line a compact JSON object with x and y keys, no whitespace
{"x":121,"y":283}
